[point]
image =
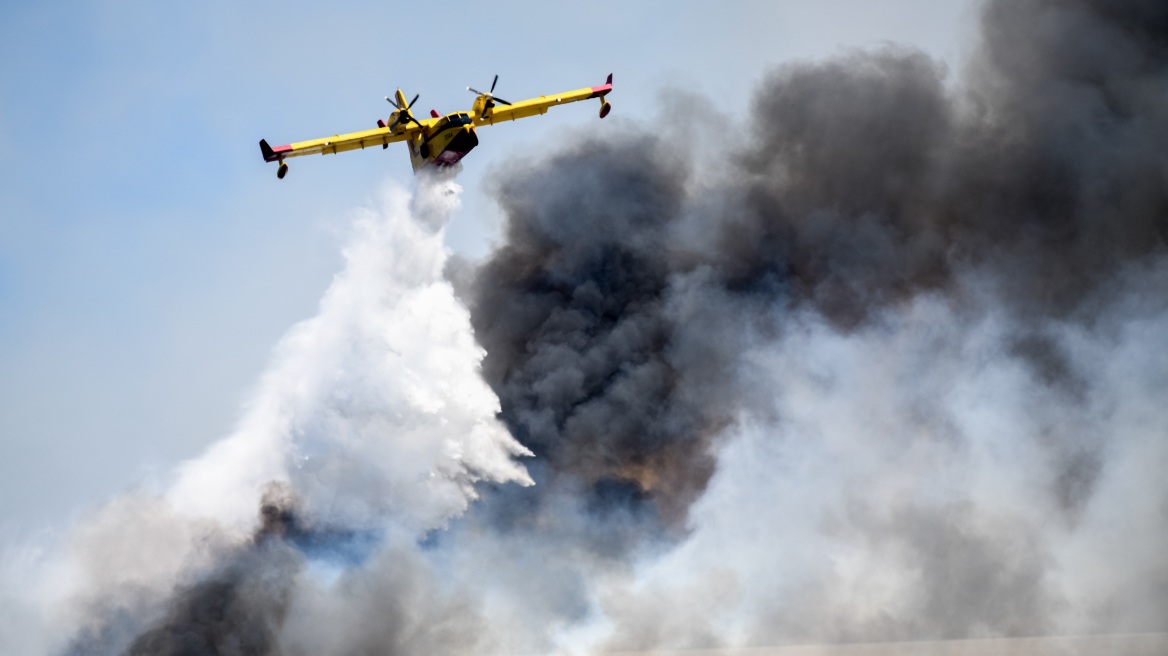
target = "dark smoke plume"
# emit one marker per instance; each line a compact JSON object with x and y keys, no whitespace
{"x":235,"y":609}
{"x":573,"y":314}
{"x":633,"y":281}
{"x":260,"y":600}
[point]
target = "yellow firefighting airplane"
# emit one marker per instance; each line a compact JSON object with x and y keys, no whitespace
{"x":440,"y":141}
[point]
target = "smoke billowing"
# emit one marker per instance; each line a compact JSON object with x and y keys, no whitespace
{"x":911,"y":297}
{"x":885,"y":363}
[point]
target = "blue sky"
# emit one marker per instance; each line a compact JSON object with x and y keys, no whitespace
{"x":149,"y":259}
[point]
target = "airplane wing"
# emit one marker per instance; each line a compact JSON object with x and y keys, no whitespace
{"x":339,"y":143}
{"x":540,"y":105}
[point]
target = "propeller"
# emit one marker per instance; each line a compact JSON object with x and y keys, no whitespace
{"x":403,"y":113}
{"x":489,"y":94}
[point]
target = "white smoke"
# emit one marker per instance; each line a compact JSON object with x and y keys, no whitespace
{"x":908,"y":480}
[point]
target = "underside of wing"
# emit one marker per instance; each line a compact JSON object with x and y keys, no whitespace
{"x":338,"y":143}
{"x":496,"y":113}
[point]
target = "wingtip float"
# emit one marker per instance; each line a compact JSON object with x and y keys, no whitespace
{"x":439,"y":141}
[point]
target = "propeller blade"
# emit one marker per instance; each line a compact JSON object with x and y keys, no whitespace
{"x":392,"y":102}
{"x":500,"y":100}
{"x":475,"y":91}
{"x":493,"y":85}
{"x":413,"y":101}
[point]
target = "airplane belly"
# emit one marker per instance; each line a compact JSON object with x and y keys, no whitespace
{"x":459,"y":146}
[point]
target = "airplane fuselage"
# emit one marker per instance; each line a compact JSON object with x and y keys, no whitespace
{"x":445,"y":143}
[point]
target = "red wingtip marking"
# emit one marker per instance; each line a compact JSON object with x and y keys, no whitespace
{"x":380,"y":123}
{"x":434,"y":113}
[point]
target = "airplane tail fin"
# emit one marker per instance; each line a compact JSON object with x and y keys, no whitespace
{"x":268,"y":153}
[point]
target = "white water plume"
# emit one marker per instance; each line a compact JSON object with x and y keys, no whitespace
{"x":374,"y":407}
{"x":372,"y":414}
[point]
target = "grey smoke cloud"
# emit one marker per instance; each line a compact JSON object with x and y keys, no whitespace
{"x":1011,"y":210}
